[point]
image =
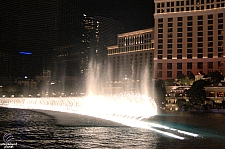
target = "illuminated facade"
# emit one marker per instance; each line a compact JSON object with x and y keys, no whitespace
{"x":132,"y":56}
{"x":189,"y":37}
{"x":90,"y":39}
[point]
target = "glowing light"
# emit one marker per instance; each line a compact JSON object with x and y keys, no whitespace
{"x":124,"y":105}
{"x":25,"y":53}
{"x":126,"y":109}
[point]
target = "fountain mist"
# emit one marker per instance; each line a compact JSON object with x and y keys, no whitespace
{"x":127,"y":108}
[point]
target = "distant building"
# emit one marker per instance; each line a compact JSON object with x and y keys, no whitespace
{"x":108,"y":31}
{"x":132,"y":57}
{"x":173,"y":93}
{"x":89,"y":39}
{"x":216,"y":93}
{"x":189,"y":37}
{"x":98,"y":33}
{"x":66,"y":52}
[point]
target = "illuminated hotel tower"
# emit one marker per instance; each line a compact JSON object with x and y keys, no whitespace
{"x":189,"y":37}
{"x":130,"y":57}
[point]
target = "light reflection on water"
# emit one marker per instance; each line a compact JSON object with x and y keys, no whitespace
{"x":35,"y":130}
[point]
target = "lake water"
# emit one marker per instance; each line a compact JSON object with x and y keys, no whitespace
{"x":31,"y":129}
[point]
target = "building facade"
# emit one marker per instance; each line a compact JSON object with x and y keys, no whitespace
{"x":132,"y":57}
{"x":189,"y":37}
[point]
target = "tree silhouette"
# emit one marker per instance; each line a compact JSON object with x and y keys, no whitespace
{"x":197,"y":92}
{"x":216,"y":77}
{"x":191,"y":76}
{"x":160,"y":90}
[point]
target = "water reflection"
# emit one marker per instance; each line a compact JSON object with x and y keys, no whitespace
{"x":36,"y":130}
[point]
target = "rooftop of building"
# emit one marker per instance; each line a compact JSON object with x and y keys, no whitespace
{"x":136,"y":32}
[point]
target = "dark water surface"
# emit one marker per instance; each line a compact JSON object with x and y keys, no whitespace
{"x":31,"y":129}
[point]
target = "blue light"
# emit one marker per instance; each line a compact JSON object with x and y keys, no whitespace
{"x":26,"y":53}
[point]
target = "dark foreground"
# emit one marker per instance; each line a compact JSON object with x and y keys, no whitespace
{"x":32,"y":129}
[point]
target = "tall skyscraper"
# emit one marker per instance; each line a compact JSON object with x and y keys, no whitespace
{"x":189,"y":37}
{"x":88,"y":38}
{"x":98,"y":33}
{"x":108,"y":31}
{"x":66,"y":62}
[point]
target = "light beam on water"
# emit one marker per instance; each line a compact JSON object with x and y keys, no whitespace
{"x":126,"y":109}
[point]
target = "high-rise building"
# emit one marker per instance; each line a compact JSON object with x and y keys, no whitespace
{"x":108,"y":31}
{"x":189,"y":37}
{"x":132,"y":56}
{"x":88,"y":38}
{"x":66,"y":54}
{"x":98,"y":33}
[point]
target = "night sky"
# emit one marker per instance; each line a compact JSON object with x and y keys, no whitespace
{"x":134,"y":14}
{"x":40,"y":26}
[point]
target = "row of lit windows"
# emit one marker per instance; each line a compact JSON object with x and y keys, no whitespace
{"x":220,"y":26}
{"x":190,"y":65}
{"x":187,"y":3}
{"x":169,"y":73}
{"x":210,"y":27}
{"x":187,"y":8}
{"x":189,"y":29}
{"x":189,"y":56}
{"x":189,"y":18}
{"x":216,"y":94}
{"x":190,"y":39}
{"x":135,"y":38}
{"x":190,"y":34}
{"x":191,"y":24}
{"x":190,"y":45}
{"x":199,"y":50}
{"x":117,"y":58}
{"x":134,"y":42}
{"x":190,"y":8}
{"x":131,"y":49}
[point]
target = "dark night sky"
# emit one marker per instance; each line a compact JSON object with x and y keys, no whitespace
{"x":134,"y":14}
{"x":38,"y":26}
